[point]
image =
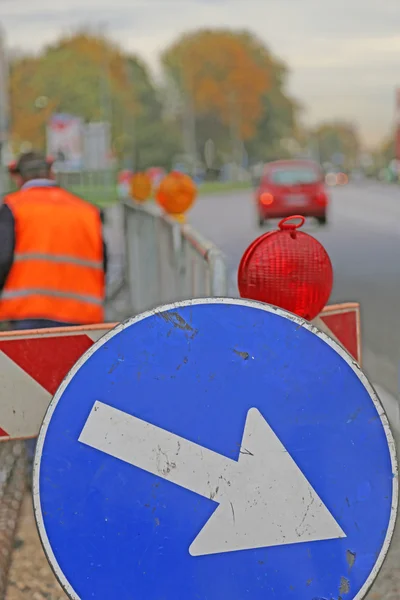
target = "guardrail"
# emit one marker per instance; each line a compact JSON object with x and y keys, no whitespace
{"x":166,"y":261}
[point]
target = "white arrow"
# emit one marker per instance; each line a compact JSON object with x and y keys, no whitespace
{"x":264,"y":499}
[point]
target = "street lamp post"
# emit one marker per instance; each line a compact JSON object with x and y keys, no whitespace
{"x":236,"y":139}
{"x":40,"y":104}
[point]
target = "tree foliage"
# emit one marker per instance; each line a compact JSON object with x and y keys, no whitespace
{"x":81,"y":74}
{"x":227,"y":82}
{"x":224,"y":73}
{"x":386,"y":152}
{"x":236,"y":88}
{"x":337,"y":138}
{"x":279,"y":118}
{"x":89,"y":77}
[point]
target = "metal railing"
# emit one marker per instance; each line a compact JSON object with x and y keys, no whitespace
{"x":166,"y":261}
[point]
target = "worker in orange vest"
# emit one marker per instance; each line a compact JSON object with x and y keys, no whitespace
{"x":52,"y":253}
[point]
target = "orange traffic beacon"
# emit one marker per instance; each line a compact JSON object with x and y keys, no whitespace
{"x":176,"y":194}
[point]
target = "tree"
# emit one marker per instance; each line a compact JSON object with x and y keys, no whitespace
{"x":89,"y":77}
{"x":82,"y":75}
{"x":231,"y":88}
{"x":335,"y":139}
{"x":155,"y":139}
{"x":386,"y":152}
{"x":279,"y":118}
{"x":222,"y":75}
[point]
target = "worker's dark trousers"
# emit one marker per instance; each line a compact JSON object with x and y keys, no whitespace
{"x":34,"y":324}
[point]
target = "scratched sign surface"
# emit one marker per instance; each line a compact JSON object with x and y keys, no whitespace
{"x":215,"y":449}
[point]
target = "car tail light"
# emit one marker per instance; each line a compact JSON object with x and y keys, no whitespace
{"x":266,"y":198}
{"x":322,"y":199}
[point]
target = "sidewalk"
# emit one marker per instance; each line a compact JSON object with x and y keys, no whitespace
{"x":30,"y":576}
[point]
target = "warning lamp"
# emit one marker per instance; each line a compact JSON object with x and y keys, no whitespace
{"x":287,"y":268}
{"x":176,"y":193}
{"x":141,"y":187}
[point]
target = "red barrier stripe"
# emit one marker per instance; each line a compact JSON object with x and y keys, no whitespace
{"x":3,"y":433}
{"x":344,"y":327}
{"x":46,"y":360}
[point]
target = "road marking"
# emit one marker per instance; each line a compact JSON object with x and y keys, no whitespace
{"x":264,"y":499}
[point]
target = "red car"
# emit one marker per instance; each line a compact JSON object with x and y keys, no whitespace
{"x":290,"y":187}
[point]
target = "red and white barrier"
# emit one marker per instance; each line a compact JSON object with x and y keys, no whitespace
{"x":32,"y":366}
{"x":34,"y":363}
{"x":342,"y":322}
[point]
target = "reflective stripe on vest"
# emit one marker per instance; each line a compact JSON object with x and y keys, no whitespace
{"x":58,"y":258}
{"x":8,"y":295}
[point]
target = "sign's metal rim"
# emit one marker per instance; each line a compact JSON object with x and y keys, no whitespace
{"x":229,"y":301}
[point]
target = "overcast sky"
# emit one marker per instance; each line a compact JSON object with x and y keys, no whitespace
{"x":344,"y":55}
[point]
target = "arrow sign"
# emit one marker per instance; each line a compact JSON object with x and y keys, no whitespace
{"x":264,"y":499}
{"x":215,"y":448}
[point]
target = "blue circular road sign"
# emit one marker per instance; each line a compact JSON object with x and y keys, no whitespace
{"x":216,"y":448}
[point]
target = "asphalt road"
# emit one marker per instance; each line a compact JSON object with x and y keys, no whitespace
{"x":363,"y":241}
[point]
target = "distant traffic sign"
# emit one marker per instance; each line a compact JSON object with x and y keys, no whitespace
{"x":212,"y":449}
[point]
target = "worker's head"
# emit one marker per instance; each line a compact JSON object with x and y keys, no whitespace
{"x":31,"y":165}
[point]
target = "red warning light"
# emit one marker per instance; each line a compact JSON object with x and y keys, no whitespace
{"x":287,"y":268}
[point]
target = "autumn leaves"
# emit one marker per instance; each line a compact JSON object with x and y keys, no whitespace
{"x":229,"y":79}
{"x":224,"y":73}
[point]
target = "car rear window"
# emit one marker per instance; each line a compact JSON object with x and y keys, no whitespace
{"x":293,"y":175}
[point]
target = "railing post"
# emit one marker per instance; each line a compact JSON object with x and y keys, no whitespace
{"x":131,"y":256}
{"x":218,"y":274}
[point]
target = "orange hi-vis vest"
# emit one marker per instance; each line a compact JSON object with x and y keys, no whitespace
{"x":58,"y":272}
